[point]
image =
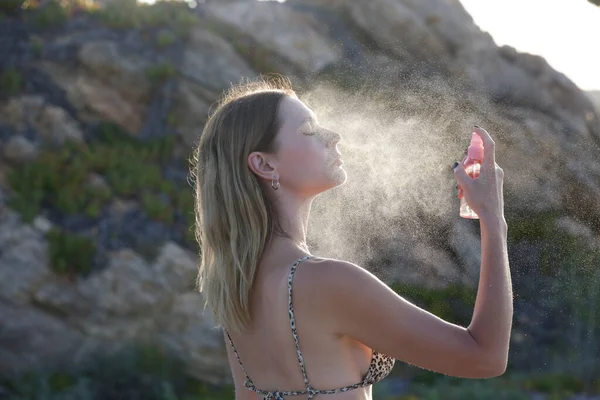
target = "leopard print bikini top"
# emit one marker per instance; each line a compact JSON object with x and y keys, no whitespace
{"x":380,"y":367}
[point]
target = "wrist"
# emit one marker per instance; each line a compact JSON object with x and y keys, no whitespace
{"x":493,"y":221}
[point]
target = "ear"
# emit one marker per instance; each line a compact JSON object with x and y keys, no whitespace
{"x":262,"y":165}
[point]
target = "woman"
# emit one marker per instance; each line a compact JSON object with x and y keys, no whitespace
{"x":300,"y":326}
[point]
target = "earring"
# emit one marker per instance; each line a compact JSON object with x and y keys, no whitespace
{"x":275,"y":184}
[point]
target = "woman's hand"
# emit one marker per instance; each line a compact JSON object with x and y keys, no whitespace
{"x":483,"y":194}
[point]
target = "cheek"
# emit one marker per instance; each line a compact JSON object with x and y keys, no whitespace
{"x":303,"y":162}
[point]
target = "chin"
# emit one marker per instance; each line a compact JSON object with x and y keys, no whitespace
{"x":334,"y":177}
{"x":339,"y":176}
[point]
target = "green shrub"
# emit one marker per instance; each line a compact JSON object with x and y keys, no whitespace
{"x":126,"y":14}
{"x":553,"y":383}
{"x":11,"y":6}
{"x":27,"y":184}
{"x":532,"y":227}
{"x":558,"y":248}
{"x":467,"y":390}
{"x":569,"y":267}
{"x":165,"y":37}
{"x":429,"y":385}
{"x":160,"y":73}
{"x":131,"y":169}
{"x":120,"y":14}
{"x":139,"y":372}
{"x":59,"y":381}
{"x":258,"y":58}
{"x":156,"y":208}
{"x":454,"y":303}
{"x":11,"y":82}
{"x":51,"y":14}
{"x":37,"y":45}
{"x":70,"y":254}
{"x":59,"y":178}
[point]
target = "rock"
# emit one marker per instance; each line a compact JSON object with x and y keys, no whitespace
{"x":97,"y":182}
{"x":30,"y":338}
{"x":42,"y":224}
{"x":57,"y":126}
{"x":211,"y":62}
{"x":178,"y":266}
{"x":22,"y":111}
{"x":122,"y":207}
{"x":23,"y":259}
{"x":111,"y":84}
{"x":330,"y":4}
{"x":53,"y":124}
{"x":95,"y":101}
{"x":538,"y":112}
{"x":579,"y":230}
{"x":19,"y":150}
{"x":594,"y":96}
{"x":117,"y":68}
{"x":401,"y":27}
{"x":132,"y":300}
{"x":275,"y":30}
{"x":434,"y":266}
{"x":189,"y":114}
{"x":188,"y":330}
{"x":127,"y":287}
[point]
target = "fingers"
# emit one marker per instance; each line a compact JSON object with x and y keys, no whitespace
{"x":460,"y":191}
{"x":489,"y":148}
{"x":461,"y":175}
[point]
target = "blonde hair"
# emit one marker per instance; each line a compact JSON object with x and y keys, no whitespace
{"x":234,"y":218}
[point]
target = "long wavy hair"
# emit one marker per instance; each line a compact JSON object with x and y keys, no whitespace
{"x":235,"y":219}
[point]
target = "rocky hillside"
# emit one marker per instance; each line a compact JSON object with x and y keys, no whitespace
{"x":100,"y":108}
{"x":594,"y":95}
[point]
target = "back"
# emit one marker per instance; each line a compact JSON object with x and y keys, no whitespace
{"x":267,"y":349}
{"x":342,"y":312}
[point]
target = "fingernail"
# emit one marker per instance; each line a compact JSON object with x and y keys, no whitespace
{"x":477,"y":126}
{"x":455,"y":165}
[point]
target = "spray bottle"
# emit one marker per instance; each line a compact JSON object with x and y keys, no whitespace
{"x":472,"y":166}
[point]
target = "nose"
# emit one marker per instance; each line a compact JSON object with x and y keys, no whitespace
{"x":334,"y":138}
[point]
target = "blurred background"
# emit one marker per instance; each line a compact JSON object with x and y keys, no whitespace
{"x":102,"y":102}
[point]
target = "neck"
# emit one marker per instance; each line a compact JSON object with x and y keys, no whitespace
{"x":293,"y":221}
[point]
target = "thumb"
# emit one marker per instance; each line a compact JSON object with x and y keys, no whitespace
{"x":460,"y":174}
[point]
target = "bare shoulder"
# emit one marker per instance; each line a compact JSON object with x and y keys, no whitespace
{"x":359,"y":305}
{"x":332,"y":279}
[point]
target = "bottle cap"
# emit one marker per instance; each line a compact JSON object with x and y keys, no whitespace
{"x":475,"y":150}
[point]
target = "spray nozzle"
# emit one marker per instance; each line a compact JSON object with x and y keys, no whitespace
{"x":475,"y":151}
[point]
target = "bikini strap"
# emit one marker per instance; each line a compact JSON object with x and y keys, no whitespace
{"x":309,"y":389}
{"x":248,"y":382}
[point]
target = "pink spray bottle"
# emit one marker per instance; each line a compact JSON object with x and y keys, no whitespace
{"x":472,"y":166}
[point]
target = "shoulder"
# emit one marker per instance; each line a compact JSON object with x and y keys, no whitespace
{"x":333,"y":283}
{"x":329,"y":274}
{"x":319,"y":272}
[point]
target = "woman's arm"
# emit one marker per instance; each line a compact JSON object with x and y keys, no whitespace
{"x":492,"y":319}
{"x":364,"y":308}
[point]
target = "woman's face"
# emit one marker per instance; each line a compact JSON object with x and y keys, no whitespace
{"x":307,"y":161}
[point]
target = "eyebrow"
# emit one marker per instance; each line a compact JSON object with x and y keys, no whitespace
{"x":312,"y":118}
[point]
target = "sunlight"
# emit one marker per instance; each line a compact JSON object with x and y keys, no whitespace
{"x":561,"y":31}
